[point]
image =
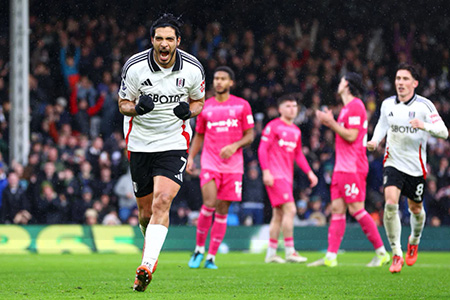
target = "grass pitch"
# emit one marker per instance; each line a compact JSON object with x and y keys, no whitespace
{"x":240,"y":276}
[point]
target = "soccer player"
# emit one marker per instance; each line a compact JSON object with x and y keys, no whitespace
{"x":348,"y":185}
{"x":280,"y":145}
{"x":161,"y":89}
{"x":408,"y":120}
{"x":224,"y":126}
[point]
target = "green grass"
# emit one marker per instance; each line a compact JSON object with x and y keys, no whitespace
{"x":240,"y":276}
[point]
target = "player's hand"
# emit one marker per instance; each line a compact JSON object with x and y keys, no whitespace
{"x":267,"y":178}
{"x":325,"y":117}
{"x":371,"y":145}
{"x":416,"y":123}
{"x":313,"y":179}
{"x":145,"y":105}
{"x":190,"y":166}
{"x":227,"y":151}
{"x":182,"y":111}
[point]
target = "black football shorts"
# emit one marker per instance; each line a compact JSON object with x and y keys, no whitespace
{"x":144,"y":166}
{"x":410,"y":186}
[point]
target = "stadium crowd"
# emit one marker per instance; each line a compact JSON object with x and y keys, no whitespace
{"x":77,"y":169}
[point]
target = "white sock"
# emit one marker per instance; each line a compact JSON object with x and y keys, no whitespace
{"x":289,"y":251}
{"x":271,"y":252}
{"x":210,"y":256}
{"x":417,"y":223}
{"x":393,"y":227}
{"x":143,"y":229}
{"x":154,"y":240}
{"x":330,"y":255}
{"x":380,"y":251}
{"x":200,"y":249}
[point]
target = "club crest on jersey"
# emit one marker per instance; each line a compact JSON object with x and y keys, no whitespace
{"x":180,"y":82}
{"x":412,"y":114}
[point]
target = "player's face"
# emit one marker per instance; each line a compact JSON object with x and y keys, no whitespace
{"x":222,"y":82}
{"x":165,"y":43}
{"x":288,"y":109}
{"x":342,"y":85}
{"x":405,"y":85}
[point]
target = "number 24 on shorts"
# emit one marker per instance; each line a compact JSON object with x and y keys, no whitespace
{"x":351,"y":190}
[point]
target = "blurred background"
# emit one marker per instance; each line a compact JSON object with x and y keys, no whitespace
{"x":77,"y":170}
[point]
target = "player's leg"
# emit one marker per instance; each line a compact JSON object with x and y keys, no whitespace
{"x":164,"y":191}
{"x":370,"y":229}
{"x":274,"y":233}
{"x":417,"y":219}
{"x":218,"y":230}
{"x":336,"y":232}
{"x":393,"y":226}
{"x":287,"y":228}
{"x":144,"y":205}
{"x":209,"y":194}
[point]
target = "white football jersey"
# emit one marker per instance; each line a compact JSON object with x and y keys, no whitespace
{"x":160,"y":129}
{"x":406,"y":147}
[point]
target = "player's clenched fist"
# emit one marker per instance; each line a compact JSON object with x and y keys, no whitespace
{"x":371,"y":145}
{"x":182,"y":111}
{"x":145,"y":105}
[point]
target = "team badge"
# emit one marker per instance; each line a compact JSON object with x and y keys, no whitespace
{"x":180,"y":82}
{"x":412,"y":114}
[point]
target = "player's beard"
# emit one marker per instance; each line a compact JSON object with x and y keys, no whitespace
{"x":224,"y":91}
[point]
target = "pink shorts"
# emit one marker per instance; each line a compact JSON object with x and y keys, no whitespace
{"x":229,"y":185}
{"x":280,"y":192}
{"x":349,"y":186}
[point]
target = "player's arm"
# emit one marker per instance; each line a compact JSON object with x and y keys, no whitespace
{"x":380,"y":130}
{"x":327,"y":119}
{"x":131,"y":109}
{"x":263,"y":155}
{"x":301,"y":161}
{"x":227,"y":151}
{"x":196,"y":145}
{"x":433,"y":124}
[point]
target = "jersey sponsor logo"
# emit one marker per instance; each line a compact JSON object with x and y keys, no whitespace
{"x":354,"y":120}
{"x":289,"y":145}
{"x":435,"y":118}
{"x":147,"y":82}
{"x":390,"y":114}
{"x":180,"y":82}
{"x":403,"y":129}
{"x":223,"y":125}
{"x":163,"y":99}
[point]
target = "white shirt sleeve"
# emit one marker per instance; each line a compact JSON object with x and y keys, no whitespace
{"x":197,"y":91}
{"x":382,"y":126}
{"x":434,"y":124}
{"x":128,"y":87}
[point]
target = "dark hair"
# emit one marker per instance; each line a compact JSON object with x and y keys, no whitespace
{"x":285,"y":98}
{"x":167,"y":20}
{"x":410,"y":68}
{"x":355,"y":84}
{"x":225,"y":69}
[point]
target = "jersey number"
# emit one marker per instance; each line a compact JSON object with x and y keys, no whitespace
{"x":351,"y":190}
{"x":419,"y":190}
{"x":238,"y":187}
{"x":184,"y":164}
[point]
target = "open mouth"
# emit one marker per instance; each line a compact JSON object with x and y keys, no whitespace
{"x":164,"y":55}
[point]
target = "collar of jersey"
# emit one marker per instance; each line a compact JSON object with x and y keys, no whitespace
{"x":154,"y":67}
{"x":407,"y":102}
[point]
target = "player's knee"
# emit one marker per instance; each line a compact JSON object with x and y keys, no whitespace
{"x":415,"y":209}
{"x":161,"y":202}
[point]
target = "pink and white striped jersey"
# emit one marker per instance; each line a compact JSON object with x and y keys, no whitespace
{"x":351,"y":156}
{"x":280,"y":144}
{"x":223,"y":123}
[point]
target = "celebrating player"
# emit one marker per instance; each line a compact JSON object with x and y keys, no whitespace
{"x":161,"y":89}
{"x":280,"y":145}
{"x":224,"y":127}
{"x":348,"y":186}
{"x":408,"y":120}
